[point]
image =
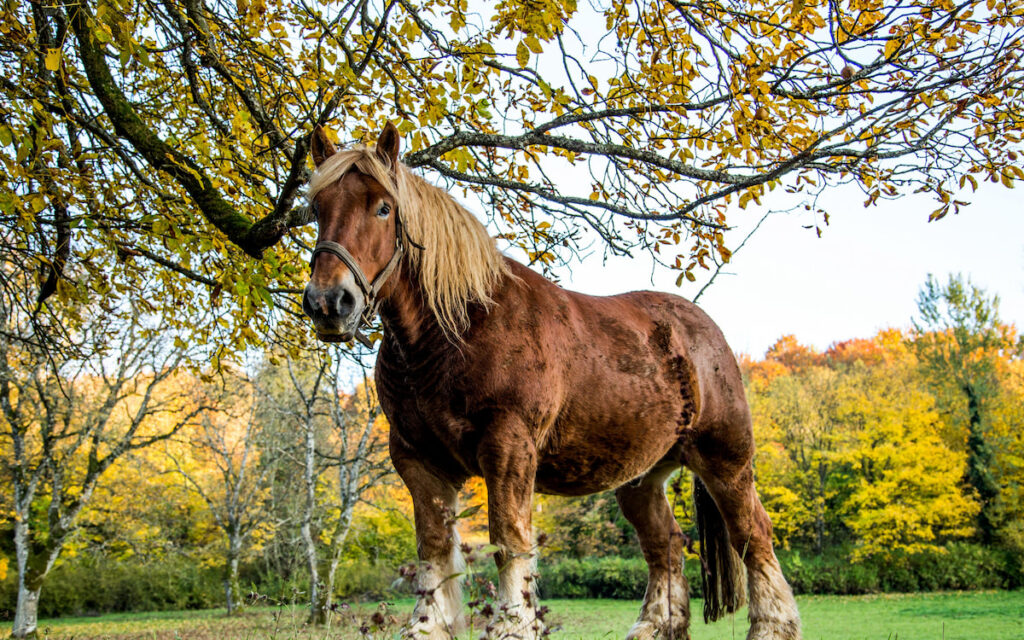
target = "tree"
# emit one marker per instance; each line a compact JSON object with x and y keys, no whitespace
{"x":231,"y":469}
{"x":584,"y":527}
{"x":801,"y":408}
{"x":339,"y":433}
{"x":959,"y":339}
{"x":70,"y":414}
{"x":643,"y":138}
{"x":905,"y":493}
{"x":853,"y":451}
{"x":1008,"y":442}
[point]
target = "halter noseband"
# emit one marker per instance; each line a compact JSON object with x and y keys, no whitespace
{"x":371,"y":290}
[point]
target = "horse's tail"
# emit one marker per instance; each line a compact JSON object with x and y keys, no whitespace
{"x":722,"y":572}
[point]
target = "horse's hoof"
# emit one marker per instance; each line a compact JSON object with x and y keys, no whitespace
{"x":774,"y":630}
{"x":643,"y":630}
{"x":514,"y":629}
{"x":647,"y":630}
{"x":426,"y":630}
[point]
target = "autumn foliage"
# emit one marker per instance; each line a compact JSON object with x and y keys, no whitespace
{"x":168,"y":141}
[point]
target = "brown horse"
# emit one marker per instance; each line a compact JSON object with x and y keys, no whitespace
{"x":488,"y":369}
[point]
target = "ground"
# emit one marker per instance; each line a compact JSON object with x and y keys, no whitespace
{"x":944,"y":616}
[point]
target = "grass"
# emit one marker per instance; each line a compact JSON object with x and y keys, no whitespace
{"x":941,"y":616}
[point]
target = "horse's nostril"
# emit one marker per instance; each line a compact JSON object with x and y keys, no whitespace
{"x":346,"y":302}
{"x":307,"y":305}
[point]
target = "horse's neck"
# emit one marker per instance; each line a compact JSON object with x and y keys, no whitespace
{"x":410,"y":327}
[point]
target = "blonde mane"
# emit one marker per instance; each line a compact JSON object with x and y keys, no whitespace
{"x":459,"y":262}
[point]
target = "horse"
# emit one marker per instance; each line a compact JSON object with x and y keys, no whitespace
{"x":488,"y":369}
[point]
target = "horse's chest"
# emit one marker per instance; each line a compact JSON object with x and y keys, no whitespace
{"x":430,"y":414}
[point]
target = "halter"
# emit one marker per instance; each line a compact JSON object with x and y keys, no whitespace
{"x":371,"y":290}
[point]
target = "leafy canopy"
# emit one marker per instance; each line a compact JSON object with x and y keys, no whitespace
{"x":166,"y":140}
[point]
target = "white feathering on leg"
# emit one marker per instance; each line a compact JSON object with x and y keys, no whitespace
{"x":773,"y":612}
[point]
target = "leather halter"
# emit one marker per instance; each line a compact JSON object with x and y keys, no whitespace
{"x":371,"y":290}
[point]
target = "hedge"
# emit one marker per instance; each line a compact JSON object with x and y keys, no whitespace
{"x":89,"y":585}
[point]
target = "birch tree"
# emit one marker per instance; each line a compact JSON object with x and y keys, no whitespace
{"x":343,"y":436}
{"x":71,"y":412}
{"x":232,"y":465}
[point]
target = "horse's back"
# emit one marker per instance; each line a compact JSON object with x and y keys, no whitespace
{"x":619,"y":381}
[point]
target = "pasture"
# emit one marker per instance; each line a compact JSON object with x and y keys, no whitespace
{"x":940,"y":616}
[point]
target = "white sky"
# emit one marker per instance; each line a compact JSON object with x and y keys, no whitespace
{"x":862,"y":275}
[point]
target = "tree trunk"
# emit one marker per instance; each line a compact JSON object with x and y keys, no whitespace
{"x":231,"y":590}
{"x":322,"y":608}
{"x":314,"y":577}
{"x":27,"y":613}
{"x":325,"y":592}
{"x":319,"y":608}
{"x":819,"y":510}
{"x":30,"y":584}
{"x":310,"y":477}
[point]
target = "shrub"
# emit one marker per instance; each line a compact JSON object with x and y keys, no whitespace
{"x":958,"y":566}
{"x":608,"y":577}
{"x":88,"y":585}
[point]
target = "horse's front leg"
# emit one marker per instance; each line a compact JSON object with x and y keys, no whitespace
{"x":438,"y":612}
{"x":508,"y":460}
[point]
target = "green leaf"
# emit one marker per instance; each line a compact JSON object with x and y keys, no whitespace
{"x":469,"y":512}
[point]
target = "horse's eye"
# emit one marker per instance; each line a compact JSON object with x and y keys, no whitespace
{"x":384,"y":210}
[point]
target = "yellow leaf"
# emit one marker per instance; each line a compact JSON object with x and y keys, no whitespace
{"x":522,"y":54}
{"x":53,"y":59}
{"x":891,"y":46}
{"x":534,"y":44}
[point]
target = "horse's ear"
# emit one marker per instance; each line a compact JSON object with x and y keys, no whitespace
{"x":321,"y":146}
{"x":387,"y":146}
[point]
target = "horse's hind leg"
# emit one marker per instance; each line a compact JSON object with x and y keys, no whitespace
{"x":731,"y":513}
{"x":438,"y":611}
{"x":666,"y":608}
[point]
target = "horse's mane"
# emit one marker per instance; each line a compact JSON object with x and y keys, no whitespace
{"x":459,"y":262}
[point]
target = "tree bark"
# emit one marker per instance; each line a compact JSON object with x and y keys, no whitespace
{"x":26,"y":615}
{"x":325,"y":594}
{"x":232,"y":592}
{"x":30,"y":580}
{"x":310,"y":477}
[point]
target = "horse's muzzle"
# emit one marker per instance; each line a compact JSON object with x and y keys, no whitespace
{"x":335,"y":311}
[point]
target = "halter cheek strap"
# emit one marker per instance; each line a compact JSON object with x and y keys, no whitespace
{"x":371,"y":290}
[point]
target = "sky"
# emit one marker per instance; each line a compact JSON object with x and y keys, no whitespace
{"x":861,"y":276}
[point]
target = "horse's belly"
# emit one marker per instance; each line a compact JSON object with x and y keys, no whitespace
{"x":585,"y":460}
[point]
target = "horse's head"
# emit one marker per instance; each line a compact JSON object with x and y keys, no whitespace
{"x":359,"y":238}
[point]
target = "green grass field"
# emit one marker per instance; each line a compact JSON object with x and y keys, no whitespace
{"x":944,"y":616}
